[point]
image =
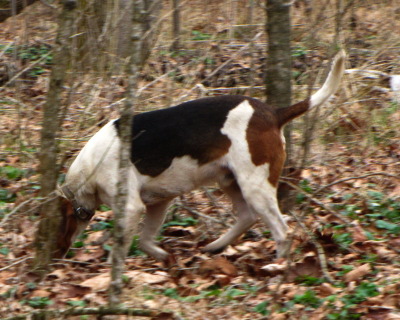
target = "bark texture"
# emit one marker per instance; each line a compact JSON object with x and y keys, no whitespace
{"x":9,"y":8}
{"x":279,"y":72}
{"x":125,"y":133}
{"x":176,"y":25}
{"x":151,"y":26}
{"x":50,"y":215}
{"x":279,"y":60}
{"x":150,"y":13}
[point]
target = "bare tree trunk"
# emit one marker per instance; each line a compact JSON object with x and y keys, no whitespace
{"x":338,"y":24}
{"x":9,"y":8}
{"x":125,"y":134}
{"x":176,"y":25}
{"x":105,"y":28}
{"x":151,"y":26}
{"x":124,"y":28}
{"x":50,"y":215}
{"x":279,"y":63}
{"x":144,"y":15}
{"x":250,"y":12}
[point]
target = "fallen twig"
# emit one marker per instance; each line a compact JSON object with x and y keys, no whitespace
{"x":15,"y":263}
{"x":29,"y":67}
{"x":216,"y":70}
{"x":6,"y":217}
{"x":320,"y":250}
{"x":6,"y":48}
{"x":101,"y":311}
{"x":319,"y":203}
{"x":355,"y":178}
{"x":197,"y":213}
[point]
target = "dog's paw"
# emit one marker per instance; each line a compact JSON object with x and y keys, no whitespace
{"x":213,"y":248}
{"x":154,"y":251}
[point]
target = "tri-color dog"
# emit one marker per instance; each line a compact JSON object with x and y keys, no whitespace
{"x":235,"y":141}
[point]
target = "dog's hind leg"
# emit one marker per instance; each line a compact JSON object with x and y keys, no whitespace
{"x":245,"y":219}
{"x":256,"y":158}
{"x":260,"y":196}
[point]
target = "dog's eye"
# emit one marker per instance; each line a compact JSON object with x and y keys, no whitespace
{"x":82,"y":213}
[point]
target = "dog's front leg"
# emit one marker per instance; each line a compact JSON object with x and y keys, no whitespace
{"x":154,"y":218}
{"x":134,"y":210}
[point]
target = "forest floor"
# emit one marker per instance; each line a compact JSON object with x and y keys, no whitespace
{"x":345,"y":260}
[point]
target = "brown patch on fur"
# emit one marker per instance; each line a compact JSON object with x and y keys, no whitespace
{"x":265,"y":143}
{"x":216,"y":151}
{"x":284,"y":115}
{"x":68,"y":227}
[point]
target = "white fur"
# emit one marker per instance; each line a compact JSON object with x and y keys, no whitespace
{"x":235,"y":128}
{"x":94,"y":169}
{"x":95,"y":172}
{"x":92,"y":179}
{"x":183,"y":175}
{"x":257,"y":192}
{"x":332,"y":82}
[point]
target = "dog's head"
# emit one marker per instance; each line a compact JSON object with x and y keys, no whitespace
{"x":74,"y":218}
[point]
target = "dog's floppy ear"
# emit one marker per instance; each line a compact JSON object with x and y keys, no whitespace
{"x":67,"y":229}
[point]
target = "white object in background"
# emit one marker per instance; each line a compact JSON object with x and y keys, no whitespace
{"x":395,"y":86}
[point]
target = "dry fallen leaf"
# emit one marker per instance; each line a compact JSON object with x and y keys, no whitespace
{"x":385,"y":253}
{"x":97,"y":283}
{"x":357,"y":232}
{"x":376,"y":314}
{"x":392,"y":301}
{"x":41,"y":293}
{"x":395,"y":192}
{"x":90,"y":254}
{"x":147,"y":278}
{"x":5,"y":275}
{"x":275,"y":267}
{"x":98,"y":237}
{"x":217,"y":266}
{"x":277,"y":316}
{"x":309,"y":266}
{"x":326,"y":289}
{"x":395,"y":243}
{"x":357,"y":273}
{"x":57,"y":274}
{"x":222,"y":279}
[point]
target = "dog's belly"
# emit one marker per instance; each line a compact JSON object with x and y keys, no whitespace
{"x":183,"y":175}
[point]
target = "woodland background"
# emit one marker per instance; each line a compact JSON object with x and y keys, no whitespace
{"x":347,"y":202}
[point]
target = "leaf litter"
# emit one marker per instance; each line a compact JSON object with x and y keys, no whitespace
{"x":361,"y":241}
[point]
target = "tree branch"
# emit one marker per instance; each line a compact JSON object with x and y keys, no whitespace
{"x":101,"y":311}
{"x":6,"y":9}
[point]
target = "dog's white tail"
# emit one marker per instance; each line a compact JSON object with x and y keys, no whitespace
{"x":332,"y":81}
{"x":330,"y":86}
